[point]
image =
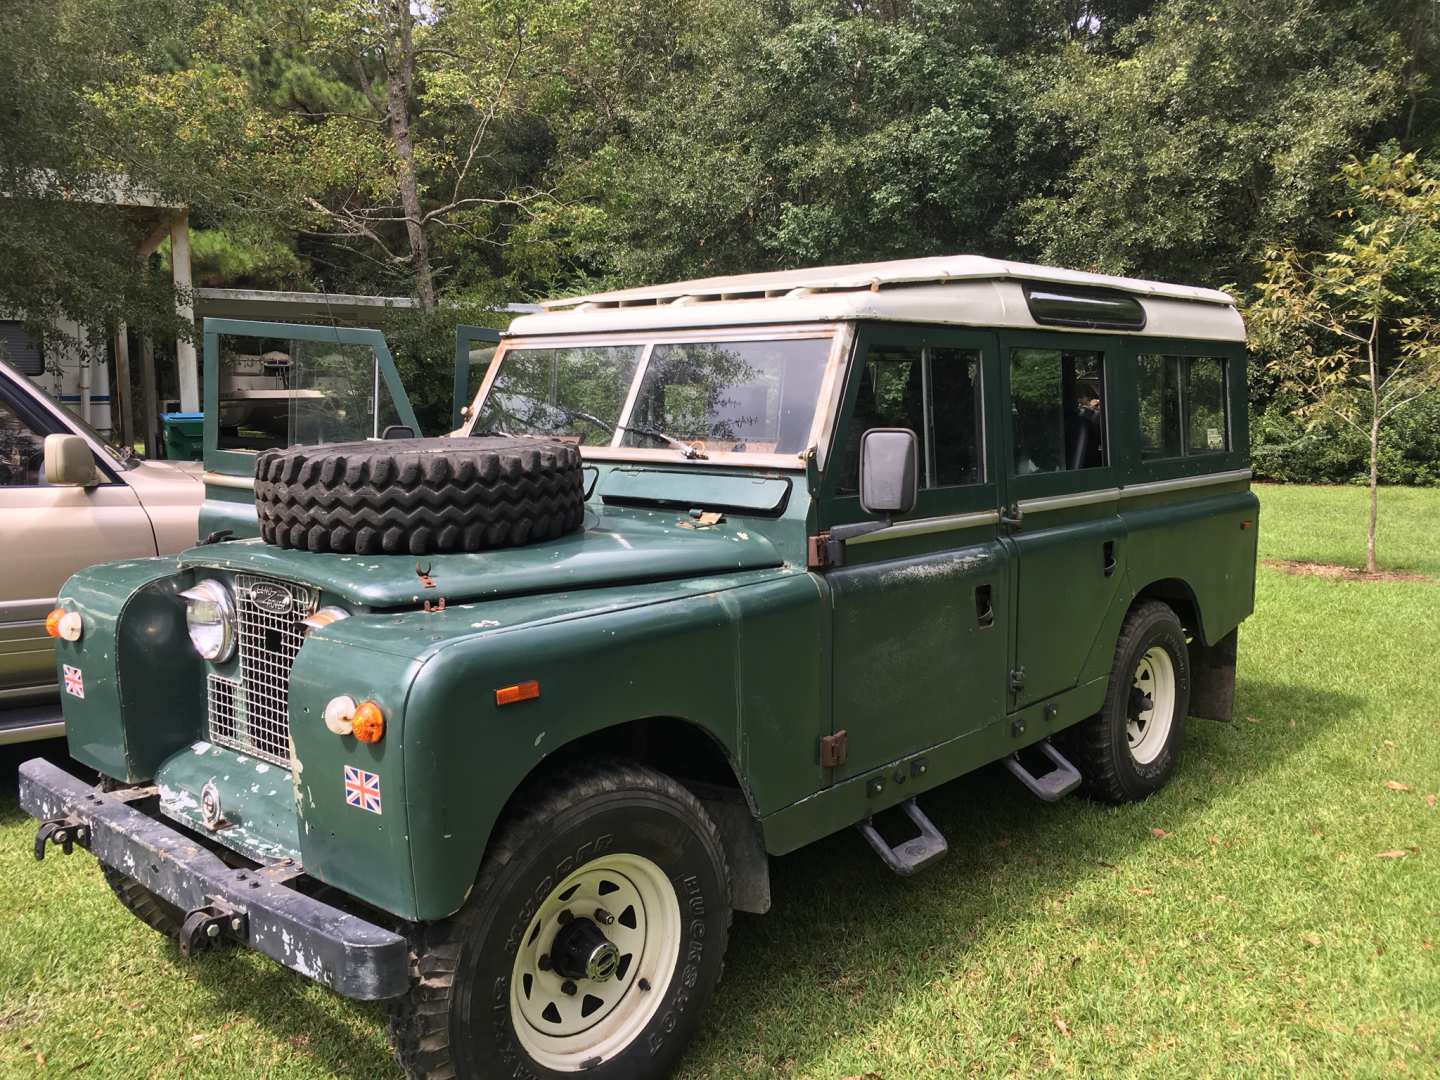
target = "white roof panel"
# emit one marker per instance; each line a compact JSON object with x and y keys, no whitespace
{"x":964,"y":290}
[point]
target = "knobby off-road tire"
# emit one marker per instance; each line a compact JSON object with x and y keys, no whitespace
{"x":154,"y":912}
{"x":612,"y":836}
{"x":418,"y":496}
{"x":1124,"y":752}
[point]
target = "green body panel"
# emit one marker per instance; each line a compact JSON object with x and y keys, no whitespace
{"x":912,"y":665}
{"x":684,"y":642}
{"x":129,"y":720}
{"x":258,"y":799}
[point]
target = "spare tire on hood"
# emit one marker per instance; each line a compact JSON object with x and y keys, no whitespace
{"x":419,"y":496}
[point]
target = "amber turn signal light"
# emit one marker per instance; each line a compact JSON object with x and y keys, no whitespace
{"x":64,"y":624}
{"x":508,"y":695}
{"x":368,"y":722}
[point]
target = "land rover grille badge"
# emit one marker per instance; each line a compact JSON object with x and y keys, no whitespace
{"x":268,"y":596}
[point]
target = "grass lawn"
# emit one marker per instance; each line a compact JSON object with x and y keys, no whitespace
{"x":1242,"y":922}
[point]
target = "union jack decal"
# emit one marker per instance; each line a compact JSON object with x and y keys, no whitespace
{"x":362,"y":789}
{"x":74,"y":681}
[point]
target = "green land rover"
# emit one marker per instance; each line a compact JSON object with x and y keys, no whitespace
{"x":501,"y":727}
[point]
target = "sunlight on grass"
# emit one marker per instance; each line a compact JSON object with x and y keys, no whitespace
{"x":1258,"y":932}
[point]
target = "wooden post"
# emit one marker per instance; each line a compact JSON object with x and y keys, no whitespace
{"x":122,"y":411}
{"x":148,"y":397}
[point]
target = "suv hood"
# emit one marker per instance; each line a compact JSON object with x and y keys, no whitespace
{"x":615,"y":546}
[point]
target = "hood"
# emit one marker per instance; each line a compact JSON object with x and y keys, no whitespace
{"x":615,"y":546}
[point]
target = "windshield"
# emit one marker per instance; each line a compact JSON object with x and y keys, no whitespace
{"x":718,"y":397}
{"x":573,"y":394}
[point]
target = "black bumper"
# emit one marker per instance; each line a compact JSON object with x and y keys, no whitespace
{"x":351,"y":956}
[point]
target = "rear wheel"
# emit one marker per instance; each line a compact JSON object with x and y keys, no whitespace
{"x":1129,"y":749}
{"x":592,"y":940}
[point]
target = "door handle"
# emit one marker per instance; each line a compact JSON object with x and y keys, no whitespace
{"x":1012,"y":516}
{"x":984,"y":607}
{"x":1108,"y":558}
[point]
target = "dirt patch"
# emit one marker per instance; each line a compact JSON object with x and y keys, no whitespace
{"x":1341,"y":573}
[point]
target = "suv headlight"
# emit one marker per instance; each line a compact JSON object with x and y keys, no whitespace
{"x":210,"y":618}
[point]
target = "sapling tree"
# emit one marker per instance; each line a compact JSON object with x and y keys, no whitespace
{"x":1353,"y":330}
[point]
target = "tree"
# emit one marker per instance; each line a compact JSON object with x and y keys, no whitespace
{"x":1347,"y":328}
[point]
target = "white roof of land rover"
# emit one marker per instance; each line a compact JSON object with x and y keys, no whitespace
{"x":966,"y":290}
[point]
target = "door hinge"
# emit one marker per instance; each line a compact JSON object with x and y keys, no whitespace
{"x":833,"y":749}
{"x":817,"y":555}
{"x":1017,"y":680}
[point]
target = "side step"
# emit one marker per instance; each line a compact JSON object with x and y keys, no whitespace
{"x":1055,"y":784}
{"x":912,"y":855}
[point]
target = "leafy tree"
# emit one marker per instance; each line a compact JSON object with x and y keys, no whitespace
{"x":1343,"y":327}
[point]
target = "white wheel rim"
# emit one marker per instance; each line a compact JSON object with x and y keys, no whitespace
{"x":566,"y":1032}
{"x":1149,"y":729}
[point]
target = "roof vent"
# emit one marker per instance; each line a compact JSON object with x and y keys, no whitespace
{"x":1082,"y":306}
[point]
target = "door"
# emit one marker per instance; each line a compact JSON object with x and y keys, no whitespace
{"x":1061,"y":522}
{"x":919,"y":628}
{"x":48,"y":533}
{"x":274,"y":384}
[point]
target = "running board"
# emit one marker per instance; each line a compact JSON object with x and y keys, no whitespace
{"x":910,"y":856}
{"x":1055,"y":784}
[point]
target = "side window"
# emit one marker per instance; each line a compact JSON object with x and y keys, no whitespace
{"x":1182,"y":406}
{"x":22,"y":451}
{"x":933,"y":391}
{"x":1057,"y":402}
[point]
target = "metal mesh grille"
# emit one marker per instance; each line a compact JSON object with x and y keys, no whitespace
{"x":251,"y":713}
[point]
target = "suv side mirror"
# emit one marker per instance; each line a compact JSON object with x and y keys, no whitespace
{"x":888,"y":480}
{"x":69,"y":461}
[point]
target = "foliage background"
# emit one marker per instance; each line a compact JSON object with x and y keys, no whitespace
{"x":561,"y":145}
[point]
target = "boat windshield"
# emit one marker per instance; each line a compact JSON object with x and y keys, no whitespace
{"x":713,"y":397}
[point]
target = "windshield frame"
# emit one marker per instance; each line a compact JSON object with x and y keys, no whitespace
{"x":840,"y":336}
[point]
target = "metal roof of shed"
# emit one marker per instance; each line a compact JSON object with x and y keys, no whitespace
{"x":969,"y":290}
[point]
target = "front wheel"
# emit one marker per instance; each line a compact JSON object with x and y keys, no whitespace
{"x":592,"y":940}
{"x":1130,"y":748}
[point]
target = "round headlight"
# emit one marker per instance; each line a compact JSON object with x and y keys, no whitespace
{"x":210,"y":618}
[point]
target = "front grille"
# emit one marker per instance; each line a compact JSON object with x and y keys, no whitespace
{"x":251,"y":713}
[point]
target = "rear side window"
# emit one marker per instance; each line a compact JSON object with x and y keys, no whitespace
{"x":1057,"y":409}
{"x":1182,"y":406}
{"x":935,"y":392}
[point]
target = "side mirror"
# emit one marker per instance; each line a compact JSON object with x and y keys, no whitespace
{"x":70,"y":462}
{"x":888,"y":473}
{"x":398,"y":431}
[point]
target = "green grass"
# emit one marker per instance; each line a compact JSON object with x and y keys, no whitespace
{"x":1261,"y":935}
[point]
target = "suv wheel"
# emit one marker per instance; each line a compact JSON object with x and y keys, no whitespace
{"x":592,"y":940}
{"x":1128,"y":750}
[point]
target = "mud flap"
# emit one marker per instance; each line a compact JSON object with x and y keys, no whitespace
{"x":1212,"y":678}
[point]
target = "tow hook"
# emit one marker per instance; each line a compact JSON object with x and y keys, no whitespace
{"x":61,"y":831}
{"x":204,"y":926}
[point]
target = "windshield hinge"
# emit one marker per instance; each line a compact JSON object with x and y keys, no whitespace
{"x":834,"y":749}
{"x":822,"y":552}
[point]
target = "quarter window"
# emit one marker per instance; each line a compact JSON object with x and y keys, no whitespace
{"x":935,"y":392}
{"x":1057,"y":404}
{"x":1182,"y":406}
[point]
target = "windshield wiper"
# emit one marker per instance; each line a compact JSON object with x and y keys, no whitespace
{"x":691,"y":452}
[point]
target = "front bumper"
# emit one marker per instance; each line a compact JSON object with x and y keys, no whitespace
{"x":351,"y":956}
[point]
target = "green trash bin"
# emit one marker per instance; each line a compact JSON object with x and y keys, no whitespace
{"x":184,"y":435}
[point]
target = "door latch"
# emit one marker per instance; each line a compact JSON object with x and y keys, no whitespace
{"x":1012,"y":516}
{"x":834,"y":749}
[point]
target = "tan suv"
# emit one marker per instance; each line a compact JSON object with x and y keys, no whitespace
{"x":68,"y":499}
